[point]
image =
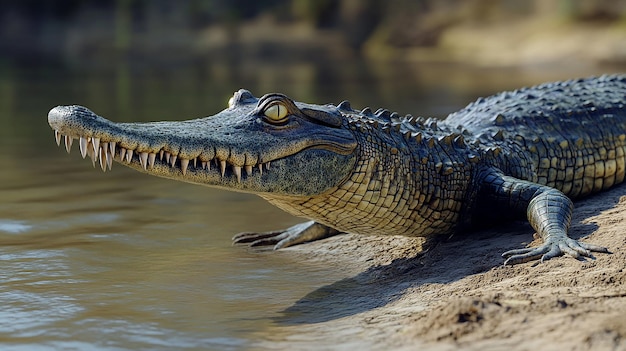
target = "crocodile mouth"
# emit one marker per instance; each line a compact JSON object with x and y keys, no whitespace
{"x":105,"y":152}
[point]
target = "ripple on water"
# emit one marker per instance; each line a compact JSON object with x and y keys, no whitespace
{"x":13,"y":226}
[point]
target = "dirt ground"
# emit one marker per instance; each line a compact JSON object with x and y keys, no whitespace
{"x":458,"y":295}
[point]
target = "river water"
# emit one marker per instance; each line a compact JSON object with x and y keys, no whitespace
{"x":121,"y":260}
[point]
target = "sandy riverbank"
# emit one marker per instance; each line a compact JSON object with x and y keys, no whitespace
{"x":459,"y":296}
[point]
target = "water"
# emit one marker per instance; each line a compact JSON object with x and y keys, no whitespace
{"x":117,"y":261}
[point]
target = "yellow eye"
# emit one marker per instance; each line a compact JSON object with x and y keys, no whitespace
{"x":276,"y":112}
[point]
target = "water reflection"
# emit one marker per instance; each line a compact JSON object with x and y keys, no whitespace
{"x":125,"y":261}
{"x":11,"y":226}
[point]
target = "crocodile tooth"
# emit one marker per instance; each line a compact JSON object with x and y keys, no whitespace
{"x":223,"y":167}
{"x":261,"y":168}
{"x":183,"y":165}
{"x":161,"y":155}
{"x":195,"y":162}
{"x":167,"y":157}
{"x":103,"y":162}
{"x":267,"y":165}
{"x":249,"y":170}
{"x":95,"y":142}
{"x":91,"y":155}
{"x":237,"y":171}
{"x":109,"y":160}
{"x":57,"y":137}
{"x":173,"y":159}
{"x":82,"y":143}
{"x":143,"y":159}
{"x":122,"y":153}
{"x":112,"y":146}
{"x":151,"y":158}
{"x":104,"y":150}
{"x":129,"y":156}
{"x":203,"y":164}
{"x":68,"y":143}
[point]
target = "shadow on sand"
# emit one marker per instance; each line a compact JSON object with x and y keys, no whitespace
{"x":445,"y":262}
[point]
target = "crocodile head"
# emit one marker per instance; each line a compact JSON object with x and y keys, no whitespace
{"x":268,"y":145}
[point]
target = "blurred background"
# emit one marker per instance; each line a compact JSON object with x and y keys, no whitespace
{"x":181,"y":57}
{"x":126,"y":261}
{"x":481,"y":32}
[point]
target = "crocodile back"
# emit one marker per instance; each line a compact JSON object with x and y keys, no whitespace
{"x":569,"y":135}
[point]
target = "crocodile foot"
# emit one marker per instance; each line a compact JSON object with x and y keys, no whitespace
{"x":297,"y":234}
{"x":551,"y":249}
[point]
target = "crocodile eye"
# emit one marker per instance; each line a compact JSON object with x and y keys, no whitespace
{"x":276,"y":113}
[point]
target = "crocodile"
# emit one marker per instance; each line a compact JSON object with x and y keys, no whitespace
{"x":514,"y":155}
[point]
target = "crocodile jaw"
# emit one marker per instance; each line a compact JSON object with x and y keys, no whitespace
{"x":215,"y":151}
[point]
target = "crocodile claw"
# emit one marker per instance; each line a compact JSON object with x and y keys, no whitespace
{"x":261,"y":239}
{"x":297,"y":234}
{"x":551,"y":249}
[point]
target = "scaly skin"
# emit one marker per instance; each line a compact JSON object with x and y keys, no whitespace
{"x":515,"y":154}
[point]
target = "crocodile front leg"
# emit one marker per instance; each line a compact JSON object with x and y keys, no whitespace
{"x":550,"y":213}
{"x":548,"y":210}
{"x":297,"y":234}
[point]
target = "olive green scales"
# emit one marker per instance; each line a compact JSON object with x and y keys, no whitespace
{"x":514,"y":154}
